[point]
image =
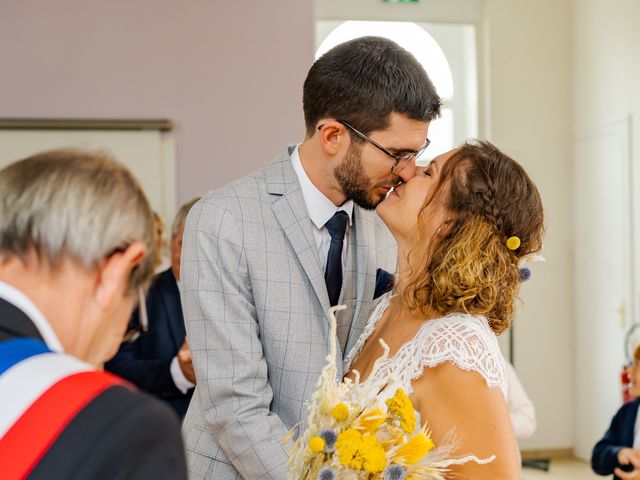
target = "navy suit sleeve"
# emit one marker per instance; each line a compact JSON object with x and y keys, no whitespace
{"x":147,"y":361}
{"x":150,"y":375}
{"x":604,"y":457}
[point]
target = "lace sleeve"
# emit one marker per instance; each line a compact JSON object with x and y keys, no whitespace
{"x":465,"y":340}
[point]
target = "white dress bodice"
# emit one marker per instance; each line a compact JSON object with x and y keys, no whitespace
{"x":465,"y":340}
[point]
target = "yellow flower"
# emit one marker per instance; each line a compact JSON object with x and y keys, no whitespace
{"x":370,"y":421}
{"x":316,"y":444}
{"x":374,"y":456}
{"x":347,"y":447}
{"x":340,"y":412}
{"x":401,"y":409}
{"x":416,"y":448}
{"x":360,"y":452}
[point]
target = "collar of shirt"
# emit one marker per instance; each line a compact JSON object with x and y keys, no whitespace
{"x":320,"y":208}
{"x":24,"y":303}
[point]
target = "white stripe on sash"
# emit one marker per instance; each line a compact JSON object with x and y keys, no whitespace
{"x":22,"y":384}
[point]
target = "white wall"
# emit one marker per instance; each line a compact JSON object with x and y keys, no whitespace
{"x":606,"y":107}
{"x":528,"y":50}
{"x":607,"y":62}
{"x":229,"y":74}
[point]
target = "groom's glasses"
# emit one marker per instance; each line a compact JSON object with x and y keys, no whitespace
{"x":400,"y":161}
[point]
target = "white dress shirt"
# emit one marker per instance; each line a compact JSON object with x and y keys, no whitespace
{"x":24,"y":303}
{"x":321,"y":209}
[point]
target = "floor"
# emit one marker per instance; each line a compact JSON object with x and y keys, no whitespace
{"x":562,"y":470}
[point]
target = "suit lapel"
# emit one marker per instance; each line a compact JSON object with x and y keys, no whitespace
{"x":291,"y":212}
{"x":365,"y":270}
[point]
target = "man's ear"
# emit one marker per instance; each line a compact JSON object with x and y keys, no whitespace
{"x":114,"y":272}
{"x":332,"y":137}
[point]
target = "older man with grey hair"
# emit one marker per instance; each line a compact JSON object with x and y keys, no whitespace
{"x":159,"y":360}
{"x":76,"y":247}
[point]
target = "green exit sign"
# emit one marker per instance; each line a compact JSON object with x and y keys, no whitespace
{"x":400,"y":1}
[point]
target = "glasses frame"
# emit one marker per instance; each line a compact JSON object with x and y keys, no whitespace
{"x":399,"y":161}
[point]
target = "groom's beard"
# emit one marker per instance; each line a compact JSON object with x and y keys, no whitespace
{"x":355,"y":183}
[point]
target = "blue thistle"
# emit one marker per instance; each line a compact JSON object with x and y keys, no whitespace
{"x":329,"y":437}
{"x":326,"y":474}
{"x":525,"y":274}
{"x":394,"y":472}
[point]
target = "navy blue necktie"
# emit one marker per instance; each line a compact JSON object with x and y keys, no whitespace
{"x":337,"y":226}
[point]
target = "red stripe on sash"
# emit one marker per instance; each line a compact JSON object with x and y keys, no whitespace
{"x":26,"y":442}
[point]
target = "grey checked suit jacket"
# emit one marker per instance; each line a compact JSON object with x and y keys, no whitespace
{"x":255,"y":306}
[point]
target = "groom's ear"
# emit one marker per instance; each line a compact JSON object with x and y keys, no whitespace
{"x":333,"y":137}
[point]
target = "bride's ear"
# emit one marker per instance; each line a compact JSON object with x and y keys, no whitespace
{"x":444,"y":227}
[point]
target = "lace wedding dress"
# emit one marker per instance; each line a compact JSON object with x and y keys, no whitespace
{"x":465,"y":340}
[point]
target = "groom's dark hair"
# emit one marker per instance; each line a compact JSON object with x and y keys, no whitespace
{"x":362,"y":81}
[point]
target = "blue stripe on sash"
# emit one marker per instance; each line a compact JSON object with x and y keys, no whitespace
{"x":18,"y":349}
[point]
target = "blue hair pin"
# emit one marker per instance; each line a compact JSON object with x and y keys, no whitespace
{"x":525,"y":271}
{"x":525,"y":274}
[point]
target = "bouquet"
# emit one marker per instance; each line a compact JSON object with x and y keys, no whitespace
{"x":360,"y":431}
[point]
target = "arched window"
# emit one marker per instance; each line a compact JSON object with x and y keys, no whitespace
{"x":459,"y":113}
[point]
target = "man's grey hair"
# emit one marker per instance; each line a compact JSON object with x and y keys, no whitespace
{"x":181,"y":216}
{"x":74,"y":204}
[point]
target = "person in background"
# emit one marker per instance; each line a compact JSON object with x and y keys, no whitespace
{"x":159,"y":361}
{"x":158,"y":229}
{"x":521,"y":409}
{"x":76,"y":245}
{"x":618,"y":452}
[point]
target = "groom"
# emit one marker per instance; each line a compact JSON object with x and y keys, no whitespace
{"x":265,"y":257}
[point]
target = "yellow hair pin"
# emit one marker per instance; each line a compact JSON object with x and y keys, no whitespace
{"x":513,"y":243}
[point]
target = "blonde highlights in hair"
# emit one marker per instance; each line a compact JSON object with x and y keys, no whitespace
{"x":476,"y":275}
{"x":468,"y":268}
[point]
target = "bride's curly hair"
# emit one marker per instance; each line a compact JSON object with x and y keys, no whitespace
{"x":469,"y":268}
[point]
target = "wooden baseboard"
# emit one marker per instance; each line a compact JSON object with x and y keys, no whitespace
{"x":547,"y":453}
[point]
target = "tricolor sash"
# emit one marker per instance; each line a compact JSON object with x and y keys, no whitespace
{"x":40,"y":392}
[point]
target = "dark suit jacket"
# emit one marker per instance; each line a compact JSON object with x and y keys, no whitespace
{"x":620,"y":434}
{"x":146,"y":361}
{"x":121,"y":434}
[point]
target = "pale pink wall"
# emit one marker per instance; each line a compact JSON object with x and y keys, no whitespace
{"x":228,"y":73}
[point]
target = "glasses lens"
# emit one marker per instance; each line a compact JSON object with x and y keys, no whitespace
{"x":402,"y":160}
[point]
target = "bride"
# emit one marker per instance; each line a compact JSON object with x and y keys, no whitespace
{"x":461,"y":227}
